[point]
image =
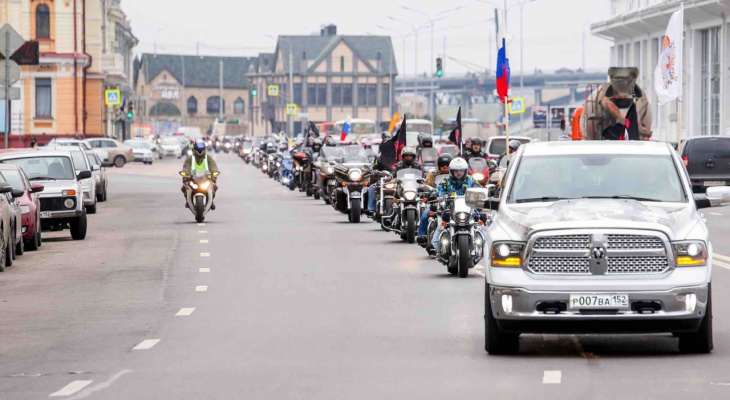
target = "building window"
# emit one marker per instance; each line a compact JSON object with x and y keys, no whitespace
{"x":43,"y":98}
{"x":213,"y":105}
{"x":710,"y":82}
{"x":386,"y":95}
{"x":336,"y":94}
{"x":298,"y":93}
{"x":361,"y":94}
{"x":311,"y":94}
{"x":42,"y":22}
{"x":347,"y":94}
{"x":192,"y":105}
{"x":239,"y":107}
{"x":321,"y":94}
{"x":372,"y":94}
{"x":620,"y":55}
{"x":342,"y":64}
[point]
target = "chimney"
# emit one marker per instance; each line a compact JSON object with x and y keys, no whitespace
{"x":329,"y":30}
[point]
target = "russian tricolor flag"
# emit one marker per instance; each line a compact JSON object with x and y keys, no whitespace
{"x":502,"y":72}
{"x":346,"y":128}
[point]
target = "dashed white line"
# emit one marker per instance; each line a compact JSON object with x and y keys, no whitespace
{"x":184,"y":312}
{"x":721,"y":264}
{"x":552,"y":377}
{"x":202,"y":231}
{"x":146,"y":344}
{"x":714,"y":214}
{"x":201,"y":224}
{"x":201,"y":288}
{"x":480,"y":273}
{"x":203,"y":241}
{"x":205,"y":254}
{"x":100,"y":386}
{"x":205,"y":270}
{"x":70,"y":389}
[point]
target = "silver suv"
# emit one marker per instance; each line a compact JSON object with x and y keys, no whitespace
{"x":597,"y":237}
{"x":61,"y":200}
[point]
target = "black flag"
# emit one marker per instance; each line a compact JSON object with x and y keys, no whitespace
{"x":313,"y":129}
{"x":390,"y":150}
{"x":456,"y":135}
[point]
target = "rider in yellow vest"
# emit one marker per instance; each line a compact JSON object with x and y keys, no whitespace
{"x":200,"y":161}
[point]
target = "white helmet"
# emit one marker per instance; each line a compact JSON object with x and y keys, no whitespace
{"x":458,"y":164}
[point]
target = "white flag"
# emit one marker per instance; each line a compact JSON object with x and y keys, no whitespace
{"x":668,"y":73}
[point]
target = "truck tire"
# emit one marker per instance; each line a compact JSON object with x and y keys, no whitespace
{"x":496,"y":341}
{"x":699,"y":342}
{"x":78,"y":228}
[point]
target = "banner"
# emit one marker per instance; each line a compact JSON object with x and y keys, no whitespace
{"x":668,"y":73}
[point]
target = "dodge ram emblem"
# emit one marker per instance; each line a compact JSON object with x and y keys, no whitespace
{"x":599,"y":253}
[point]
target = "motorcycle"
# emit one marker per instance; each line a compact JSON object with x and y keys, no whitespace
{"x":480,"y":168}
{"x":407,"y":205}
{"x":246,"y":153}
{"x":286,"y":172}
{"x":384,"y":191}
{"x":302,"y":172}
{"x":436,"y":208}
{"x":270,"y":165}
{"x":461,"y":244}
{"x":325,"y":173}
{"x":199,"y":192}
{"x":350,"y":191}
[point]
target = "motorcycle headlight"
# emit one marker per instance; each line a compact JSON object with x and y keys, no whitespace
{"x":355,"y":175}
{"x":461,"y":217}
{"x":478,"y":177}
{"x":228,"y":145}
{"x":265,"y":167}
{"x":193,"y":185}
{"x":506,"y":254}
{"x":217,"y":143}
{"x":390,"y":185}
{"x":330,"y":170}
{"x":25,"y":209}
{"x":209,"y":143}
{"x":271,"y":157}
{"x":690,"y":253}
{"x":205,"y":185}
{"x":409,"y":195}
{"x":278,"y":164}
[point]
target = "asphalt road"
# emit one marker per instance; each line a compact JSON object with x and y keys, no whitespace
{"x":278,"y":297}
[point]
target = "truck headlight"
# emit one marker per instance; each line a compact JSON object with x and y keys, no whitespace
{"x":690,"y":253}
{"x":507,"y":254}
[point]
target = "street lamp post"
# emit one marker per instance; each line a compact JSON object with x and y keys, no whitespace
{"x":415,"y":30}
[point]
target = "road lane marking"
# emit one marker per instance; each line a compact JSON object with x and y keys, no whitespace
{"x":720,"y":256}
{"x":184,"y":312}
{"x":70,"y":389}
{"x":714,"y":214}
{"x":202,"y":231}
{"x":203,"y":241}
{"x":205,"y":254}
{"x":721,"y":264}
{"x":552,"y":377}
{"x":480,"y":273}
{"x":146,"y":344}
{"x":201,"y":288}
{"x":99,"y":386}
{"x":201,"y":224}
{"x":205,"y":270}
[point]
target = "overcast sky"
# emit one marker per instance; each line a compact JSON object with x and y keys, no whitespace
{"x":552,"y":29}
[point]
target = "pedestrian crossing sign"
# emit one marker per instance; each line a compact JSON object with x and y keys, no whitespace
{"x":112,"y":97}
{"x":291,"y":109}
{"x":517,"y":105}
{"x":273,"y":90}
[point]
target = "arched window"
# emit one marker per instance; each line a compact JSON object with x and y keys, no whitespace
{"x":192,"y":105}
{"x":213,"y":105}
{"x":239,"y":106}
{"x":42,"y":22}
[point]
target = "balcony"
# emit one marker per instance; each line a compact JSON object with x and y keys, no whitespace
{"x":113,"y":65}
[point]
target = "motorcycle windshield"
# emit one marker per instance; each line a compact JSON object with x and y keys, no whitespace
{"x":332,"y":153}
{"x":355,"y":154}
{"x":460,"y":205}
{"x":409,"y":173}
{"x":478,"y":164}
{"x":200,"y":173}
{"x":440,"y":178}
{"x":429,"y":156}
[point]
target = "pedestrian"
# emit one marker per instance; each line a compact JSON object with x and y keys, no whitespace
{"x":33,"y":142}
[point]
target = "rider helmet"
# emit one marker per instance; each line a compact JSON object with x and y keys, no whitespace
{"x":270,"y":147}
{"x":199,"y":148}
{"x":514,"y":145}
{"x":310,"y":141}
{"x":476,"y":143}
{"x":317,"y":145}
{"x":443,"y":161}
{"x":283,"y":146}
{"x":408,"y":155}
{"x":458,"y":168}
{"x":426,"y":140}
{"x":420,"y":138}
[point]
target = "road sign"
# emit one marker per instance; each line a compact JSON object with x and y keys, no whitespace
{"x":112,"y":97}
{"x":291,"y":109}
{"x":27,"y":54}
{"x":273,"y":90}
{"x":14,"y":72}
{"x":14,"y":93}
{"x":8,"y":35}
{"x":517,"y":105}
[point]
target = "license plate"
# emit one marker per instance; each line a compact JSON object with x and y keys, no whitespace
{"x":598,"y":301}
{"x":714,"y":183}
{"x":355,"y":195}
{"x":46,"y":214}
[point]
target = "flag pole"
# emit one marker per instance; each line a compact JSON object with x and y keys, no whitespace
{"x":506,"y":127}
{"x":679,"y":121}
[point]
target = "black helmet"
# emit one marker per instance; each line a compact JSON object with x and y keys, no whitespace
{"x":476,"y":141}
{"x":427,"y":140}
{"x":283,"y":146}
{"x":199,"y":148}
{"x":514,"y":145}
{"x":408,"y":151}
{"x":420,"y":138}
{"x":444,"y":160}
{"x":385,"y":135}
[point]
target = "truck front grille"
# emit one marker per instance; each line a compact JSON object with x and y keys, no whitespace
{"x":559,"y":265}
{"x":632,"y":242}
{"x":52,"y":204}
{"x":637,"y":265}
{"x":564,"y":242}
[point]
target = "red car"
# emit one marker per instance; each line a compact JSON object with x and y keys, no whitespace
{"x":30,"y":206}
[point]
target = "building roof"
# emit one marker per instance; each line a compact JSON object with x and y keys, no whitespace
{"x":200,"y":71}
{"x":317,"y":48}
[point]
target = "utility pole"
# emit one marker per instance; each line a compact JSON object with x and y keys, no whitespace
{"x":290,"y":118}
{"x":220,"y":89}
{"x":7,"y":87}
{"x":184,"y":96}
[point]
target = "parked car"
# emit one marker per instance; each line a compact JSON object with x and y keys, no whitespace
{"x":88,"y":185}
{"x":16,"y":223}
{"x":6,"y":234}
{"x":111,"y":151}
{"x":61,"y":201}
{"x":171,"y":147}
{"x":142,"y":151}
{"x":597,"y":248}
{"x":99,"y":175}
{"x":63,"y":142}
{"x":707,"y":159}
{"x":496,"y":145}
{"x":29,"y":204}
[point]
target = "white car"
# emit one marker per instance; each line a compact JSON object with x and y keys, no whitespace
{"x":171,"y":147}
{"x":88,"y":185}
{"x":142,"y":150}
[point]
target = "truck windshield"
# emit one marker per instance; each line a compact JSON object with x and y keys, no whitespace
{"x":577,"y":176}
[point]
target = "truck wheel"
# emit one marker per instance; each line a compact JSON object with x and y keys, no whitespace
{"x":699,"y":342}
{"x":355,"y":211}
{"x":464,"y":256}
{"x":78,"y":228}
{"x":497,"y":342}
{"x":119,"y":161}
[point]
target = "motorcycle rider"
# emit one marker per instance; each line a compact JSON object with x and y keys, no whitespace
{"x":442,"y":165}
{"x":377,"y":166}
{"x":512,"y":147}
{"x":408,"y":159}
{"x":455,"y":185}
{"x":200,"y":162}
{"x":475,"y":149}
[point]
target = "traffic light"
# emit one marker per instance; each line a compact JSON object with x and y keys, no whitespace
{"x":254,"y":91}
{"x":130,"y":110}
{"x":439,"y":67}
